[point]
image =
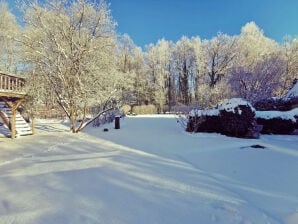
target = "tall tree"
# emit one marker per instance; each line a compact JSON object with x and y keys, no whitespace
{"x":262,"y":81}
{"x":9,"y":30}
{"x":158,"y":59}
{"x":252,"y":45}
{"x":289,"y":53}
{"x":200,"y":65}
{"x":220,"y":53}
{"x":184,"y":60}
{"x":130,"y":62}
{"x":259,"y":66}
{"x":71,"y":44}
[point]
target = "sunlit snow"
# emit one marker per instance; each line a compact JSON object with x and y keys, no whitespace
{"x":149,"y":171}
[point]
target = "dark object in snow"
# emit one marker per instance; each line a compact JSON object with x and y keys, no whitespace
{"x":235,"y":118}
{"x":105,"y":129}
{"x":117,"y":122}
{"x":276,"y":125}
{"x":258,"y":146}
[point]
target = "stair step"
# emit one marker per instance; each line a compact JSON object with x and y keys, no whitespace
{"x":22,"y":127}
{"x":4,"y":131}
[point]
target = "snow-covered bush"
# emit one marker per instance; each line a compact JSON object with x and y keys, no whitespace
{"x":278,"y":122}
{"x":235,"y":117}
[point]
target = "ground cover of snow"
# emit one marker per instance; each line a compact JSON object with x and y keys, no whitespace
{"x":149,"y":171}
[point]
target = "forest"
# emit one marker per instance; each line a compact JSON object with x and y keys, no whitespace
{"x":73,"y":58}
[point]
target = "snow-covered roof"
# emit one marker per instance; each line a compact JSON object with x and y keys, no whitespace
{"x":284,"y":115}
{"x":293,"y":92}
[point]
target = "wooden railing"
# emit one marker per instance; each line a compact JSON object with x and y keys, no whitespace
{"x":11,"y":83}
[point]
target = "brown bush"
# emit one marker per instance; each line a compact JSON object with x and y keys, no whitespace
{"x":144,"y":109}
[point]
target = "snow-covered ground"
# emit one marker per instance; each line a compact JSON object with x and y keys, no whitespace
{"x":149,"y":171}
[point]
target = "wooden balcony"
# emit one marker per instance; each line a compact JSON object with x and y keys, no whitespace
{"x":11,"y":86}
{"x":13,"y":95}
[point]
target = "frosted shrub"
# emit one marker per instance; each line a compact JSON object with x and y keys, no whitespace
{"x":234,"y":117}
{"x":126,"y":109}
{"x":278,"y":122}
{"x":144,"y":109}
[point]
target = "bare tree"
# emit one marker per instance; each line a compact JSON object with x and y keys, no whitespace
{"x":259,"y":83}
{"x":71,"y":44}
{"x":220,"y":53}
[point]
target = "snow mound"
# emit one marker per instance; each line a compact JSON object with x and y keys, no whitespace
{"x":231,"y":104}
{"x":199,"y":113}
{"x":228,"y":105}
{"x":293,"y":92}
{"x":284,"y":115}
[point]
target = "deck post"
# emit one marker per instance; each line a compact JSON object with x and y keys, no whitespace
{"x":11,"y":92}
{"x":33,"y":125}
{"x":13,"y":106}
{"x":13,"y":123}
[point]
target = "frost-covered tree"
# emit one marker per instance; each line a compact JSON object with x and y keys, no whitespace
{"x":158,"y":60}
{"x":261,"y":81}
{"x":289,"y":53}
{"x":200,"y":66}
{"x":220,"y":53}
{"x":184,"y":62}
{"x":72,"y":45}
{"x":9,"y":30}
{"x":259,"y":66}
{"x":130,"y":62}
{"x":253,"y":45}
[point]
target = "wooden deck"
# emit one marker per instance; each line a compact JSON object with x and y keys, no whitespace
{"x":12,"y":93}
{"x":11,"y":86}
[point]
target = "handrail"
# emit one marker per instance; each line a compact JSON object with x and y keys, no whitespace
{"x":11,"y":83}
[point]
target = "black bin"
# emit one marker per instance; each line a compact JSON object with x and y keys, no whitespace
{"x":117,"y":122}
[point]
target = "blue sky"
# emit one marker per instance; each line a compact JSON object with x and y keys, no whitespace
{"x":146,"y":21}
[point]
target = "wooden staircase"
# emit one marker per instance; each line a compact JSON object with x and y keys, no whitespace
{"x":22,"y":127}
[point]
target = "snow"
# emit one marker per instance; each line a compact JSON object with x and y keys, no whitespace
{"x":228,"y":105}
{"x":149,"y":171}
{"x":285,"y":115}
{"x":293,"y":92}
{"x":211,"y":112}
{"x":231,"y":104}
